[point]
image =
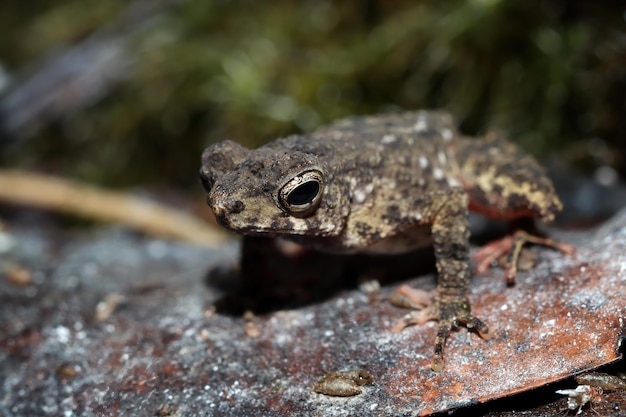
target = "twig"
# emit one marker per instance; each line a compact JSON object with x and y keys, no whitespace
{"x":72,"y":197}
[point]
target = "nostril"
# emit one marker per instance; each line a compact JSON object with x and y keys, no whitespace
{"x":235,"y":206}
{"x":207,"y":184}
{"x":223,"y":206}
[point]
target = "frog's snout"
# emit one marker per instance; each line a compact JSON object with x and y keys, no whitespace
{"x":226,"y":206}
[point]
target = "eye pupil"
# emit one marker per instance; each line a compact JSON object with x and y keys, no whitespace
{"x":303,"y":194}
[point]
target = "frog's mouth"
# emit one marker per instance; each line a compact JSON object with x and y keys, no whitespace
{"x":235,"y":216}
{"x":279,"y":227}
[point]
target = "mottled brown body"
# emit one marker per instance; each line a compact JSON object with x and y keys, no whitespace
{"x":381,"y":184}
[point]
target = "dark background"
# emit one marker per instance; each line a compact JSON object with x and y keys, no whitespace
{"x":127,"y":94}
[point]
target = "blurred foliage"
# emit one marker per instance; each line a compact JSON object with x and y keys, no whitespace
{"x":551,"y":73}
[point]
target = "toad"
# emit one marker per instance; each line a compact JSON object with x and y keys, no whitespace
{"x":384,"y":184}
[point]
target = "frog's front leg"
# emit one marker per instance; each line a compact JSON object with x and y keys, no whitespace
{"x":450,"y":231}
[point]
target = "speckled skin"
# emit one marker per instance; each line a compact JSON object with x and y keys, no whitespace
{"x":387,"y":184}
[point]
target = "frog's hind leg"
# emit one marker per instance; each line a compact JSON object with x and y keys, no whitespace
{"x":504,"y":183}
{"x":513,"y":245}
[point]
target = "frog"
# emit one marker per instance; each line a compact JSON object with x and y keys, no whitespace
{"x":382,"y":185}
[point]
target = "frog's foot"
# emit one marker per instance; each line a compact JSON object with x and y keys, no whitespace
{"x":450,"y":311}
{"x":513,"y":245}
{"x":409,"y":297}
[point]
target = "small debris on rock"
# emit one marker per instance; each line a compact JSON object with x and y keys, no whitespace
{"x":18,"y":275}
{"x":106,"y":307}
{"x":602,"y":380}
{"x":251,"y":328}
{"x":343,"y":384}
{"x":581,"y":395}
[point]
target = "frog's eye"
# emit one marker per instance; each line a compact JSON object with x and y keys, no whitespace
{"x":302,"y":194}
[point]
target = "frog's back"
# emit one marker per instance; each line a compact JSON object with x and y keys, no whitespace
{"x":411,"y":149}
{"x":419,"y":126}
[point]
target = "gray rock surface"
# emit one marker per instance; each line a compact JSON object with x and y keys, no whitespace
{"x":111,"y":323}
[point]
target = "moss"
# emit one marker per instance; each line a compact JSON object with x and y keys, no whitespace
{"x":551,"y":73}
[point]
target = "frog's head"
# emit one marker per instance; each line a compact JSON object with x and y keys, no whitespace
{"x":272,"y":192}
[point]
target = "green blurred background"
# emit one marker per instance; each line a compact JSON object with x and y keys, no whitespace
{"x":122,"y":93}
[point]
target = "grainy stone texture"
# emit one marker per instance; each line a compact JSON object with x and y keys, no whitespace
{"x":161,"y":352}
